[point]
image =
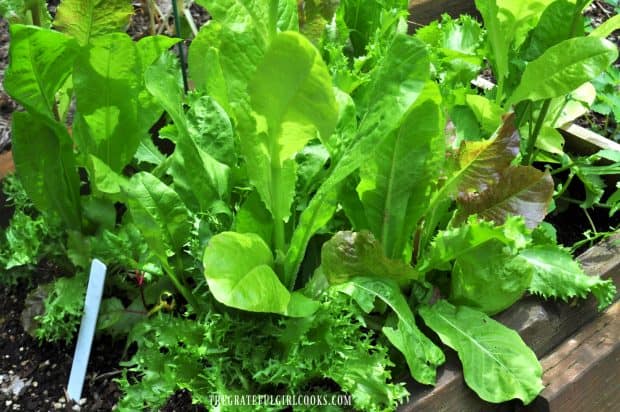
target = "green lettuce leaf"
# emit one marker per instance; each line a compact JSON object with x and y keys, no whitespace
{"x":87,"y":19}
{"x":557,"y":274}
{"x":497,"y":364}
{"x":239,"y":271}
{"x":396,"y":183}
{"x":564,"y":67}
{"x":40,"y":63}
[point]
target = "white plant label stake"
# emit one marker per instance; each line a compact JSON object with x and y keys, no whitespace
{"x":94,"y":292}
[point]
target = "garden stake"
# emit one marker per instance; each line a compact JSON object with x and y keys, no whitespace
{"x":87,"y":329}
{"x":177,"y":29}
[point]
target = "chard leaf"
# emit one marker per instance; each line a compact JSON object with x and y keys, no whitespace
{"x":489,"y":278}
{"x":480,"y":164}
{"x":451,"y":243}
{"x":290,"y":109}
{"x":351,"y":254}
{"x":41,"y":61}
{"x":253,"y":217}
{"x":422,"y":355}
{"x":107,"y":82}
{"x":396,"y":183}
{"x":397,"y":83}
{"x":557,"y":274}
{"x":239,"y":270}
{"x":564,"y":67}
{"x":46,"y":167}
{"x":159,"y":213}
{"x":497,"y":364}
{"x":521,"y":191}
{"x":86,"y":19}
{"x":199,"y":178}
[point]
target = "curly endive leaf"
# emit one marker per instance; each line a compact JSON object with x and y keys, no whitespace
{"x":480,"y":164}
{"x":557,"y":274}
{"x":85,"y":19}
{"x":422,"y":355}
{"x":350,"y":254}
{"x":520,"y":191}
{"x":497,"y":364}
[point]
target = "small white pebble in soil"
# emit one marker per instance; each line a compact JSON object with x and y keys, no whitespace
{"x":16,"y":407}
{"x":35,"y":384}
{"x":21,"y":348}
{"x":57,"y":405}
{"x":8,"y":403}
{"x":76,"y":408}
{"x":82,"y":401}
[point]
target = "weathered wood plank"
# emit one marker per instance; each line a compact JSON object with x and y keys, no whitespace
{"x":6,"y":164}
{"x":585,"y":141}
{"x":422,"y":12}
{"x":542,"y":325}
{"x":582,"y":374}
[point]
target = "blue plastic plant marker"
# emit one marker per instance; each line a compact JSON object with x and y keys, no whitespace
{"x":87,"y":329}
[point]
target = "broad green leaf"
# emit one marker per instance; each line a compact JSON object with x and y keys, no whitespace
{"x":608,"y":27}
{"x":253,"y":217}
{"x":239,"y":271}
{"x":557,"y":274}
{"x":396,"y":85}
{"x":351,"y":254}
{"x":40,"y":63}
{"x":159,"y":213}
{"x":107,"y":82}
{"x":422,"y":355}
{"x":210,"y":127}
{"x":199,"y":179}
{"x":579,"y":102}
{"x":103,"y":179}
{"x":488,"y":113}
{"x":290,"y":108}
{"x":556,"y":24}
{"x":497,"y":364}
{"x":550,"y":140}
{"x":481,"y":163}
{"x":564,"y":67}
{"x":451,"y":243}
{"x":224,"y":55}
{"x":396,"y":183}
{"x":87,"y":19}
{"x":489,"y":278}
{"x":46,"y":166}
{"x":520,"y":191}
{"x":287,"y":15}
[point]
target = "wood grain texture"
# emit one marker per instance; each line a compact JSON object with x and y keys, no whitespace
{"x":542,"y":324}
{"x":6,"y":164}
{"x":582,"y":374}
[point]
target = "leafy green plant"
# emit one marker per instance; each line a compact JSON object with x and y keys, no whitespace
{"x":311,"y":207}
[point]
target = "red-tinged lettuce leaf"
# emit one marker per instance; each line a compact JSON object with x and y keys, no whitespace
{"x":520,"y":191}
{"x":497,"y":364}
{"x":350,"y":254}
{"x":480,"y":164}
{"x":557,"y":274}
